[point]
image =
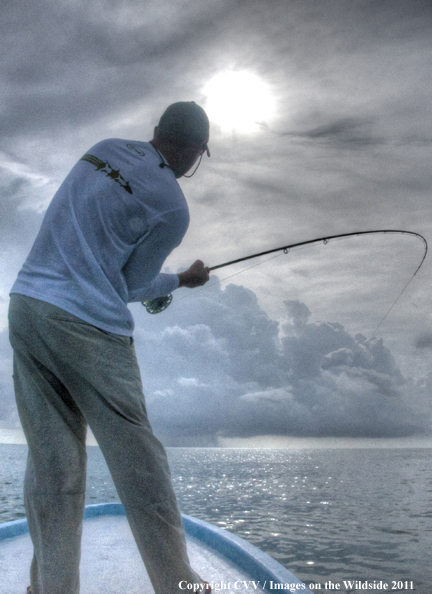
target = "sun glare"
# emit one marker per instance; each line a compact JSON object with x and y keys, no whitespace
{"x":237,"y":101}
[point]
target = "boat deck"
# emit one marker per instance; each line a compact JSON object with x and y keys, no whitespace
{"x":111,"y":563}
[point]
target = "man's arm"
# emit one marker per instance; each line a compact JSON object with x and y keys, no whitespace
{"x":196,"y":276}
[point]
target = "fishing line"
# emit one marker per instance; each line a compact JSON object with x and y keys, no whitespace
{"x":230,"y":276}
{"x":325,"y":240}
{"x":393,"y":304}
{"x":284,"y":252}
{"x":213,"y":284}
{"x":161,"y":303}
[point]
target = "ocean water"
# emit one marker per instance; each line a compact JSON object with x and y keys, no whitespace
{"x":351,"y":514}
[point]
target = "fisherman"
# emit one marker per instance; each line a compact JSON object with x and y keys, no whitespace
{"x":104,"y":238}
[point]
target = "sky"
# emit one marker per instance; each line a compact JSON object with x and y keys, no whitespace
{"x":320,"y":125}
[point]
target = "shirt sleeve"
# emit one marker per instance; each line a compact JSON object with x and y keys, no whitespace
{"x":161,"y":286}
{"x":142,"y":271}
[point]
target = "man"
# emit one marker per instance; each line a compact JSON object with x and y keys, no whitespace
{"x":102,"y":243}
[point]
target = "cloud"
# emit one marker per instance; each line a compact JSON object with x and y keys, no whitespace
{"x":424,"y":341}
{"x":23,"y":194}
{"x":23,"y":188}
{"x":71,"y":67}
{"x":347,"y":132}
{"x":219,"y":366}
{"x":298,"y":312}
{"x":346,"y":78}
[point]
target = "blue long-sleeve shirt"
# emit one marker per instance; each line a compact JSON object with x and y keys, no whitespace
{"x":106,"y":234}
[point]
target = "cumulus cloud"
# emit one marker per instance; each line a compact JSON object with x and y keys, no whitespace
{"x":424,"y":341}
{"x":351,"y":78}
{"x":219,"y":366}
{"x":216,"y":365}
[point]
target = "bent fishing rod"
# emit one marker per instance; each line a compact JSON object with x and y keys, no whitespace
{"x":159,"y":304}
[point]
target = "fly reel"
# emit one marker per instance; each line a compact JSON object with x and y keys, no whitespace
{"x":158,"y":304}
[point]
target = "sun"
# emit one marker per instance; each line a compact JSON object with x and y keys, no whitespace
{"x":238,"y":101}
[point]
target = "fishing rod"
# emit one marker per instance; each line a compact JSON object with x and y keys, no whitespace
{"x":159,"y":304}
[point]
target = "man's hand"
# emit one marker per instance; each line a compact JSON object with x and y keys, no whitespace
{"x":196,"y":276}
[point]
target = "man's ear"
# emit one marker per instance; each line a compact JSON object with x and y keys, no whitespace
{"x":156,"y":133}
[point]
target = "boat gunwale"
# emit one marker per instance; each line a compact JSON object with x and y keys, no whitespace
{"x":241,"y":553}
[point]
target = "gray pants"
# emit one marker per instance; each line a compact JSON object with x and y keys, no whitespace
{"x":68,"y":373}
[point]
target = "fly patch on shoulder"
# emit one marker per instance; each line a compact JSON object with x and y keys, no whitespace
{"x":105,"y":167}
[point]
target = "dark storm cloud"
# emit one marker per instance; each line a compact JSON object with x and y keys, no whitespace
{"x":348,"y":149}
{"x":221,"y":367}
{"x":348,"y":132}
{"x":63,"y":65}
{"x":70,"y":66}
{"x":424,"y":341}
